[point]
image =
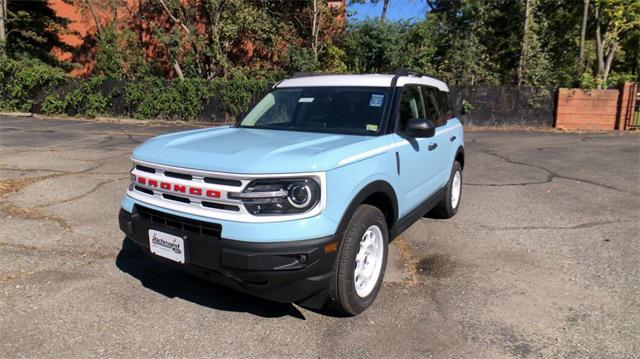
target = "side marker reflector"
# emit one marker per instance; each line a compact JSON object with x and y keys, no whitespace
{"x":330,"y":247}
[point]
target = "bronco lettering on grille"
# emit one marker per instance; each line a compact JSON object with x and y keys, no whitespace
{"x":196,"y":191}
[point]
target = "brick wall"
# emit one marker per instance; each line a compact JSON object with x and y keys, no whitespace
{"x":626,"y":114}
{"x":581,"y":110}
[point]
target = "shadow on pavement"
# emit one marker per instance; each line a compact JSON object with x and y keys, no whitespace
{"x":174,"y":283}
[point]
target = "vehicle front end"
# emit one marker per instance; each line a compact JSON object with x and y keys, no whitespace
{"x":261,"y":234}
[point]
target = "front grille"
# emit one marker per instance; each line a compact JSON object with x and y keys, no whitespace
{"x":145,"y":169}
{"x":223,"y":181}
{"x":179,"y":223}
{"x":227,"y":207}
{"x":144,"y":190}
{"x":176,"y":198}
{"x":178,"y":175}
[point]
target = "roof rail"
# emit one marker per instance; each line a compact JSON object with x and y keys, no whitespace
{"x":309,"y":74}
{"x":407,"y":72}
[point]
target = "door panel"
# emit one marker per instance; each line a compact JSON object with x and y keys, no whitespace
{"x":419,"y":157}
{"x":437,"y":111}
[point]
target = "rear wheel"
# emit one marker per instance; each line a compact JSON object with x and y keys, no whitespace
{"x":453,"y":193}
{"x":357,"y":274}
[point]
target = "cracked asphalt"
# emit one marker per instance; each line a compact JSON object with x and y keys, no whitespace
{"x":542,"y":260}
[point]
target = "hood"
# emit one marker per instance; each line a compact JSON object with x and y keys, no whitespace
{"x":254,"y":151}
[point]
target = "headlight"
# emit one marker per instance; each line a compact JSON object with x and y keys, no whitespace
{"x":282,"y":196}
{"x":132,"y":177}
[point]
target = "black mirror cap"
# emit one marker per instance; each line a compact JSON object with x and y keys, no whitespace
{"x":421,"y":128}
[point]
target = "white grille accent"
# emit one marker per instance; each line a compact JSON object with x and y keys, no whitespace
{"x":228,"y":208}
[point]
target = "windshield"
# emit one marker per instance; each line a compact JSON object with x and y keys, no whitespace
{"x":350,"y":110}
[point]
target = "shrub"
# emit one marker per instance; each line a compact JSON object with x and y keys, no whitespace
{"x":21,"y":81}
{"x":24,"y":85}
{"x":53,"y":105}
{"x":237,"y":95}
{"x":177,"y":99}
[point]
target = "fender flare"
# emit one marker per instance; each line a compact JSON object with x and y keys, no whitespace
{"x":460,"y":153}
{"x":379,"y":186}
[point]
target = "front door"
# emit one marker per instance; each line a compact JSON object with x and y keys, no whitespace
{"x":418,"y":157}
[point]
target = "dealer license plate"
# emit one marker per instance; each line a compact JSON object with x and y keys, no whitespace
{"x":166,"y":245}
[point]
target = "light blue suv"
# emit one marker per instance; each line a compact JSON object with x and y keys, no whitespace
{"x":298,"y":201}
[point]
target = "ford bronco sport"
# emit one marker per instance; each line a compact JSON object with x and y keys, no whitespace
{"x":298,"y":201}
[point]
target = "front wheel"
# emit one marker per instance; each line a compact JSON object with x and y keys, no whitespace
{"x":453,"y":193}
{"x":357,"y":274}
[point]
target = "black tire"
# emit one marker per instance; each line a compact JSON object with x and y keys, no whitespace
{"x":343,"y":296}
{"x":445,"y":208}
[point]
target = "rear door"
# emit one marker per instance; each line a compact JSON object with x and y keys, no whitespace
{"x":438,"y":110}
{"x":418,"y":160}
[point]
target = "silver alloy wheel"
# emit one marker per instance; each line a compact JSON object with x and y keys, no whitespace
{"x":456,"y":186}
{"x":369,"y":261}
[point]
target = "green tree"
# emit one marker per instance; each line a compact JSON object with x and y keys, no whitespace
{"x":118,"y":56}
{"x":614,"y":18}
{"x":33,"y":30}
{"x":534,"y":67}
{"x":417,"y":49}
{"x":372,"y":46}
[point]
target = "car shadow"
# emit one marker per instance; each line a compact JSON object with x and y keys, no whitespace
{"x":174,"y":283}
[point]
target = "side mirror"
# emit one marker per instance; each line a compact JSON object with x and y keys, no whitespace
{"x":421,"y":127}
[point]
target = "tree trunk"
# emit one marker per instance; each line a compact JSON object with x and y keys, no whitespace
{"x":175,"y":19}
{"x":3,"y":30}
{"x":599,"y":50}
{"x":525,"y":36}
{"x":385,"y":6}
{"x":95,"y":17}
{"x":583,"y":33}
{"x":178,"y":69}
{"x":314,"y":30}
{"x":611,"y":53}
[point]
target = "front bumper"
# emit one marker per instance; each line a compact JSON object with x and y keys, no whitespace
{"x":293,"y":271}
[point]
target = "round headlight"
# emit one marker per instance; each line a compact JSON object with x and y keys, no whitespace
{"x":279,"y":196}
{"x":299,"y":195}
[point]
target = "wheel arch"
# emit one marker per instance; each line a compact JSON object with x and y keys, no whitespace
{"x":377,"y":193}
{"x":460,"y":156}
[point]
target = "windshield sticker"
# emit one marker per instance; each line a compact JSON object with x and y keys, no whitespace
{"x":376,"y":100}
{"x":305,"y":99}
{"x":372,"y":127}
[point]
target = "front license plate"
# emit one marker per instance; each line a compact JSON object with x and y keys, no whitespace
{"x":166,"y":245}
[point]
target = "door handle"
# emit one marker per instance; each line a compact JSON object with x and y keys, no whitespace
{"x":432,"y":146}
{"x":452,"y":138}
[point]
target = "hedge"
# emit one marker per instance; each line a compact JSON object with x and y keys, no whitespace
{"x":43,"y":89}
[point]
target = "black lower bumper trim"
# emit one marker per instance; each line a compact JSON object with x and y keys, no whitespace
{"x":294,"y":271}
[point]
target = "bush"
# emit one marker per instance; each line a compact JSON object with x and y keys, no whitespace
{"x":237,"y":95}
{"x":42,"y":88}
{"x":155,"y":98}
{"x":22,"y":81}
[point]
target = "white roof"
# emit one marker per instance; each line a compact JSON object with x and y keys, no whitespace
{"x":374,"y":80}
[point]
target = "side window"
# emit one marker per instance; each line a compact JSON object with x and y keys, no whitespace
{"x":411,"y":107}
{"x":445,"y":105}
{"x":432,"y":105}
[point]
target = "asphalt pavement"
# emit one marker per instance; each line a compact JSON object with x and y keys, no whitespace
{"x":542,"y":259}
